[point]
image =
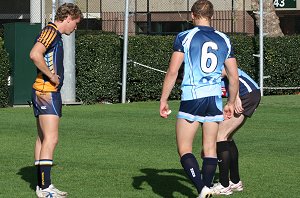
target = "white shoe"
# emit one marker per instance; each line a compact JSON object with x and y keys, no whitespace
{"x":37,"y":191}
{"x":218,"y":189}
{"x":50,"y":192}
{"x":61,"y":193}
{"x":205,"y":193}
{"x":236,"y":187}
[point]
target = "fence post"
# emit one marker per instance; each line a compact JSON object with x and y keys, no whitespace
{"x":125,"y":49}
{"x":68,"y":90}
{"x":148,"y":18}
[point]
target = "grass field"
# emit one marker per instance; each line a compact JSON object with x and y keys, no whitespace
{"x":127,"y":150}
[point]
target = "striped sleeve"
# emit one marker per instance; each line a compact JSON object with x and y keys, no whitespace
{"x":47,"y":36}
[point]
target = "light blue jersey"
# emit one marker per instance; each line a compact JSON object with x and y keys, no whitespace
{"x":205,"y":51}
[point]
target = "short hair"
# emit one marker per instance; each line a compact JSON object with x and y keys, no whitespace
{"x":68,"y":9}
{"x":203,"y":9}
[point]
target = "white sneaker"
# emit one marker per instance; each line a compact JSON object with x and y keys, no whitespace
{"x":50,"y":192}
{"x":218,"y":189}
{"x":205,"y":193}
{"x":236,"y":187}
{"x":61,"y":193}
{"x":37,"y":191}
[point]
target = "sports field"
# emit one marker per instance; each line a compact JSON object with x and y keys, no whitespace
{"x":127,"y":150}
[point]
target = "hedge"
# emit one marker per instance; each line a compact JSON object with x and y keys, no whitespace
{"x":98,"y":68}
{"x":282,"y":63}
{"x":99,"y":65}
{"x":4,"y":74}
{"x":144,"y":83}
{"x":99,"y":61}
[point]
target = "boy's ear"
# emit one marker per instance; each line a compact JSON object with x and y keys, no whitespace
{"x":68,"y":19}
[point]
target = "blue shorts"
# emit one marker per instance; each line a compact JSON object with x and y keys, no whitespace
{"x":45,"y":103}
{"x":208,"y":109}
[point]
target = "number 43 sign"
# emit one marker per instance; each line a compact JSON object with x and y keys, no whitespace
{"x":284,"y":3}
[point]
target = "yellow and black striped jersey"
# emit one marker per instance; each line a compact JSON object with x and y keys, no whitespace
{"x":50,"y":37}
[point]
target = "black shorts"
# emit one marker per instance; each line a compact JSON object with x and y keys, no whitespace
{"x":45,"y":103}
{"x":250,"y":102}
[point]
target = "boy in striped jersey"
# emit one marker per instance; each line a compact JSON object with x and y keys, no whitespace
{"x":247,"y":101}
{"x":204,"y":52}
{"x":47,"y":55}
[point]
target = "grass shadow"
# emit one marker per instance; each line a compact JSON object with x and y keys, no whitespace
{"x":164,"y":182}
{"x":28,"y":174}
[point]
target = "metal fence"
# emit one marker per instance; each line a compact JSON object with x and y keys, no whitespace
{"x":145,"y":16}
{"x":163,"y":17}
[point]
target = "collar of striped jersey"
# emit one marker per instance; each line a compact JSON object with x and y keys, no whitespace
{"x":52,"y":25}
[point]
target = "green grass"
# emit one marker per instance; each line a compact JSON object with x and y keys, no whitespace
{"x":127,"y":150}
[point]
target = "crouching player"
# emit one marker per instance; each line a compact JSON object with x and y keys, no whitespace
{"x":247,"y":101}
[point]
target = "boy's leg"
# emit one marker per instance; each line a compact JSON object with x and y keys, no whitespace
{"x":185,"y":133}
{"x":223,"y":154}
{"x":234,"y":162}
{"x":209,"y":165}
{"x":37,"y":151}
{"x":49,"y":127}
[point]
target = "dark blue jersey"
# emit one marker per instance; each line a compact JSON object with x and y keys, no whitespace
{"x":247,"y":84}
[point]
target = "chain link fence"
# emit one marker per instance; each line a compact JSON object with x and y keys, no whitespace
{"x":163,"y":17}
{"x":145,"y":16}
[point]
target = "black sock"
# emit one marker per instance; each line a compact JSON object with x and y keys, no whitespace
{"x":191,"y":167}
{"x":45,"y":169}
{"x":234,"y":162}
{"x":38,"y":171}
{"x":223,"y":162}
{"x":209,"y":166}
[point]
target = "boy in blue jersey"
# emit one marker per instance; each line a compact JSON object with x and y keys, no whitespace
{"x":247,"y":101}
{"x":47,"y":55}
{"x":204,"y":52}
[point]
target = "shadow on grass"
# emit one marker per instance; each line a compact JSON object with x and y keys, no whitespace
{"x":28,"y":174}
{"x":164,"y":182}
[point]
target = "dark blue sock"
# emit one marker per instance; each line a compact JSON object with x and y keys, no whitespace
{"x":209,"y":166}
{"x":38,"y":172}
{"x":191,"y":167}
{"x":45,"y":169}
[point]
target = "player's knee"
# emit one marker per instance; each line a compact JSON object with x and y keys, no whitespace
{"x":209,"y":150}
{"x":55,"y":141}
{"x":51,"y":141}
{"x":223,"y":135}
{"x":221,"y":138}
{"x":183,"y":151}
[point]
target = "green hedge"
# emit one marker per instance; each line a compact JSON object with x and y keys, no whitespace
{"x":244,"y":48}
{"x":282,"y":63}
{"x":4,"y":74}
{"x":154,"y":51}
{"x":98,"y":68}
{"x":99,"y":65}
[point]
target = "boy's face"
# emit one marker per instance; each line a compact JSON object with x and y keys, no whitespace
{"x":71,"y":25}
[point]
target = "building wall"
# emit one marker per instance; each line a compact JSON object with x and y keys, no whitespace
{"x":14,"y":9}
{"x":110,"y":13}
